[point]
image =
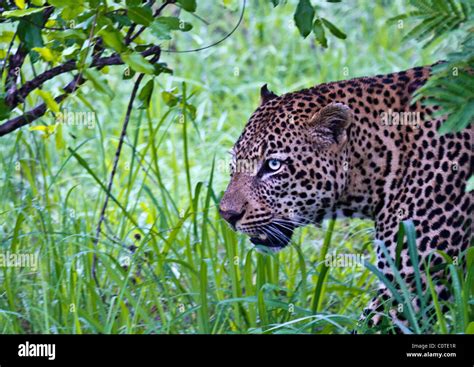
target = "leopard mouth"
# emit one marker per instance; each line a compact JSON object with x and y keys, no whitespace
{"x":274,"y":236}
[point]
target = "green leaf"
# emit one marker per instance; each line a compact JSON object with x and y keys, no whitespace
{"x":319,"y":33}
{"x":20,"y":4}
{"x":160,"y":30}
{"x":410,"y":232}
{"x":98,"y":81}
{"x":470,"y":257}
{"x":304,"y":15}
{"x":170,"y":99}
{"x":128,"y":73}
{"x":397,"y":18}
{"x":71,"y":34}
{"x":460,"y":309}
{"x":333,"y":29}
{"x":174,"y":24}
{"x":48,"y":98}
{"x":162,"y":67}
{"x":470,"y":328}
{"x":47,"y":130}
{"x":4,"y":109}
{"x":58,"y":137}
{"x":145,"y":95}
{"x":112,"y":38}
{"x":64,"y":3}
{"x":470,"y":184}
{"x":458,"y":120}
{"x":45,"y":53}
{"x":188,"y":5}
{"x":71,"y":12}
{"x":29,"y":33}
{"x":21,"y":13}
{"x":121,"y":20}
{"x":434,"y":297}
{"x":138,"y":63}
{"x":141,"y":15}
{"x":6,"y":36}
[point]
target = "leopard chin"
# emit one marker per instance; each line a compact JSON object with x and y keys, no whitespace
{"x":273,"y":236}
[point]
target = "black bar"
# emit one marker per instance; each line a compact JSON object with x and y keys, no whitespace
{"x":318,"y":350}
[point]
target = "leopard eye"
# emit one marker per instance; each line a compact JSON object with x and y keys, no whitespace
{"x":273,"y":164}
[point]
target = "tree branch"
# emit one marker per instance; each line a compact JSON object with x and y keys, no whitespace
{"x":40,"y":110}
{"x":14,"y":65}
{"x":18,"y":96}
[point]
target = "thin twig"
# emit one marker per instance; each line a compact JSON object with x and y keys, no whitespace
{"x":114,"y":167}
{"x":129,"y":38}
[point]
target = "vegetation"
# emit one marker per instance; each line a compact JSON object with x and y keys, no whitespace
{"x":451,"y":86}
{"x":164,"y":260}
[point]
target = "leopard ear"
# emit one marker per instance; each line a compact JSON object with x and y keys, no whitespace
{"x":266,"y":95}
{"x":329,"y":125}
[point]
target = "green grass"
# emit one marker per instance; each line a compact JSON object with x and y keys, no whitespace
{"x":167,"y":262}
{"x":429,"y":317}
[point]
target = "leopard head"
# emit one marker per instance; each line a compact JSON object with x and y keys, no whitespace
{"x":287,"y":167}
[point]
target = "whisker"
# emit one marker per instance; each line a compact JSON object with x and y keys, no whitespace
{"x":281,"y":235}
{"x":291,"y":221}
{"x":284,"y":225}
{"x":271,"y":233}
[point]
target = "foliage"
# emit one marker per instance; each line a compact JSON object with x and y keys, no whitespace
{"x":84,"y":37}
{"x":307,"y":20}
{"x":429,"y":316}
{"x":452,"y":85}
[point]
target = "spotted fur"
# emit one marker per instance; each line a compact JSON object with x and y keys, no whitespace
{"x":339,"y":156}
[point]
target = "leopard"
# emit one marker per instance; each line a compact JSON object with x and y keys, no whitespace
{"x":357,"y":148}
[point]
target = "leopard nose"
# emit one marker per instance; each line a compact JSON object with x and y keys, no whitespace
{"x":231,"y":216}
